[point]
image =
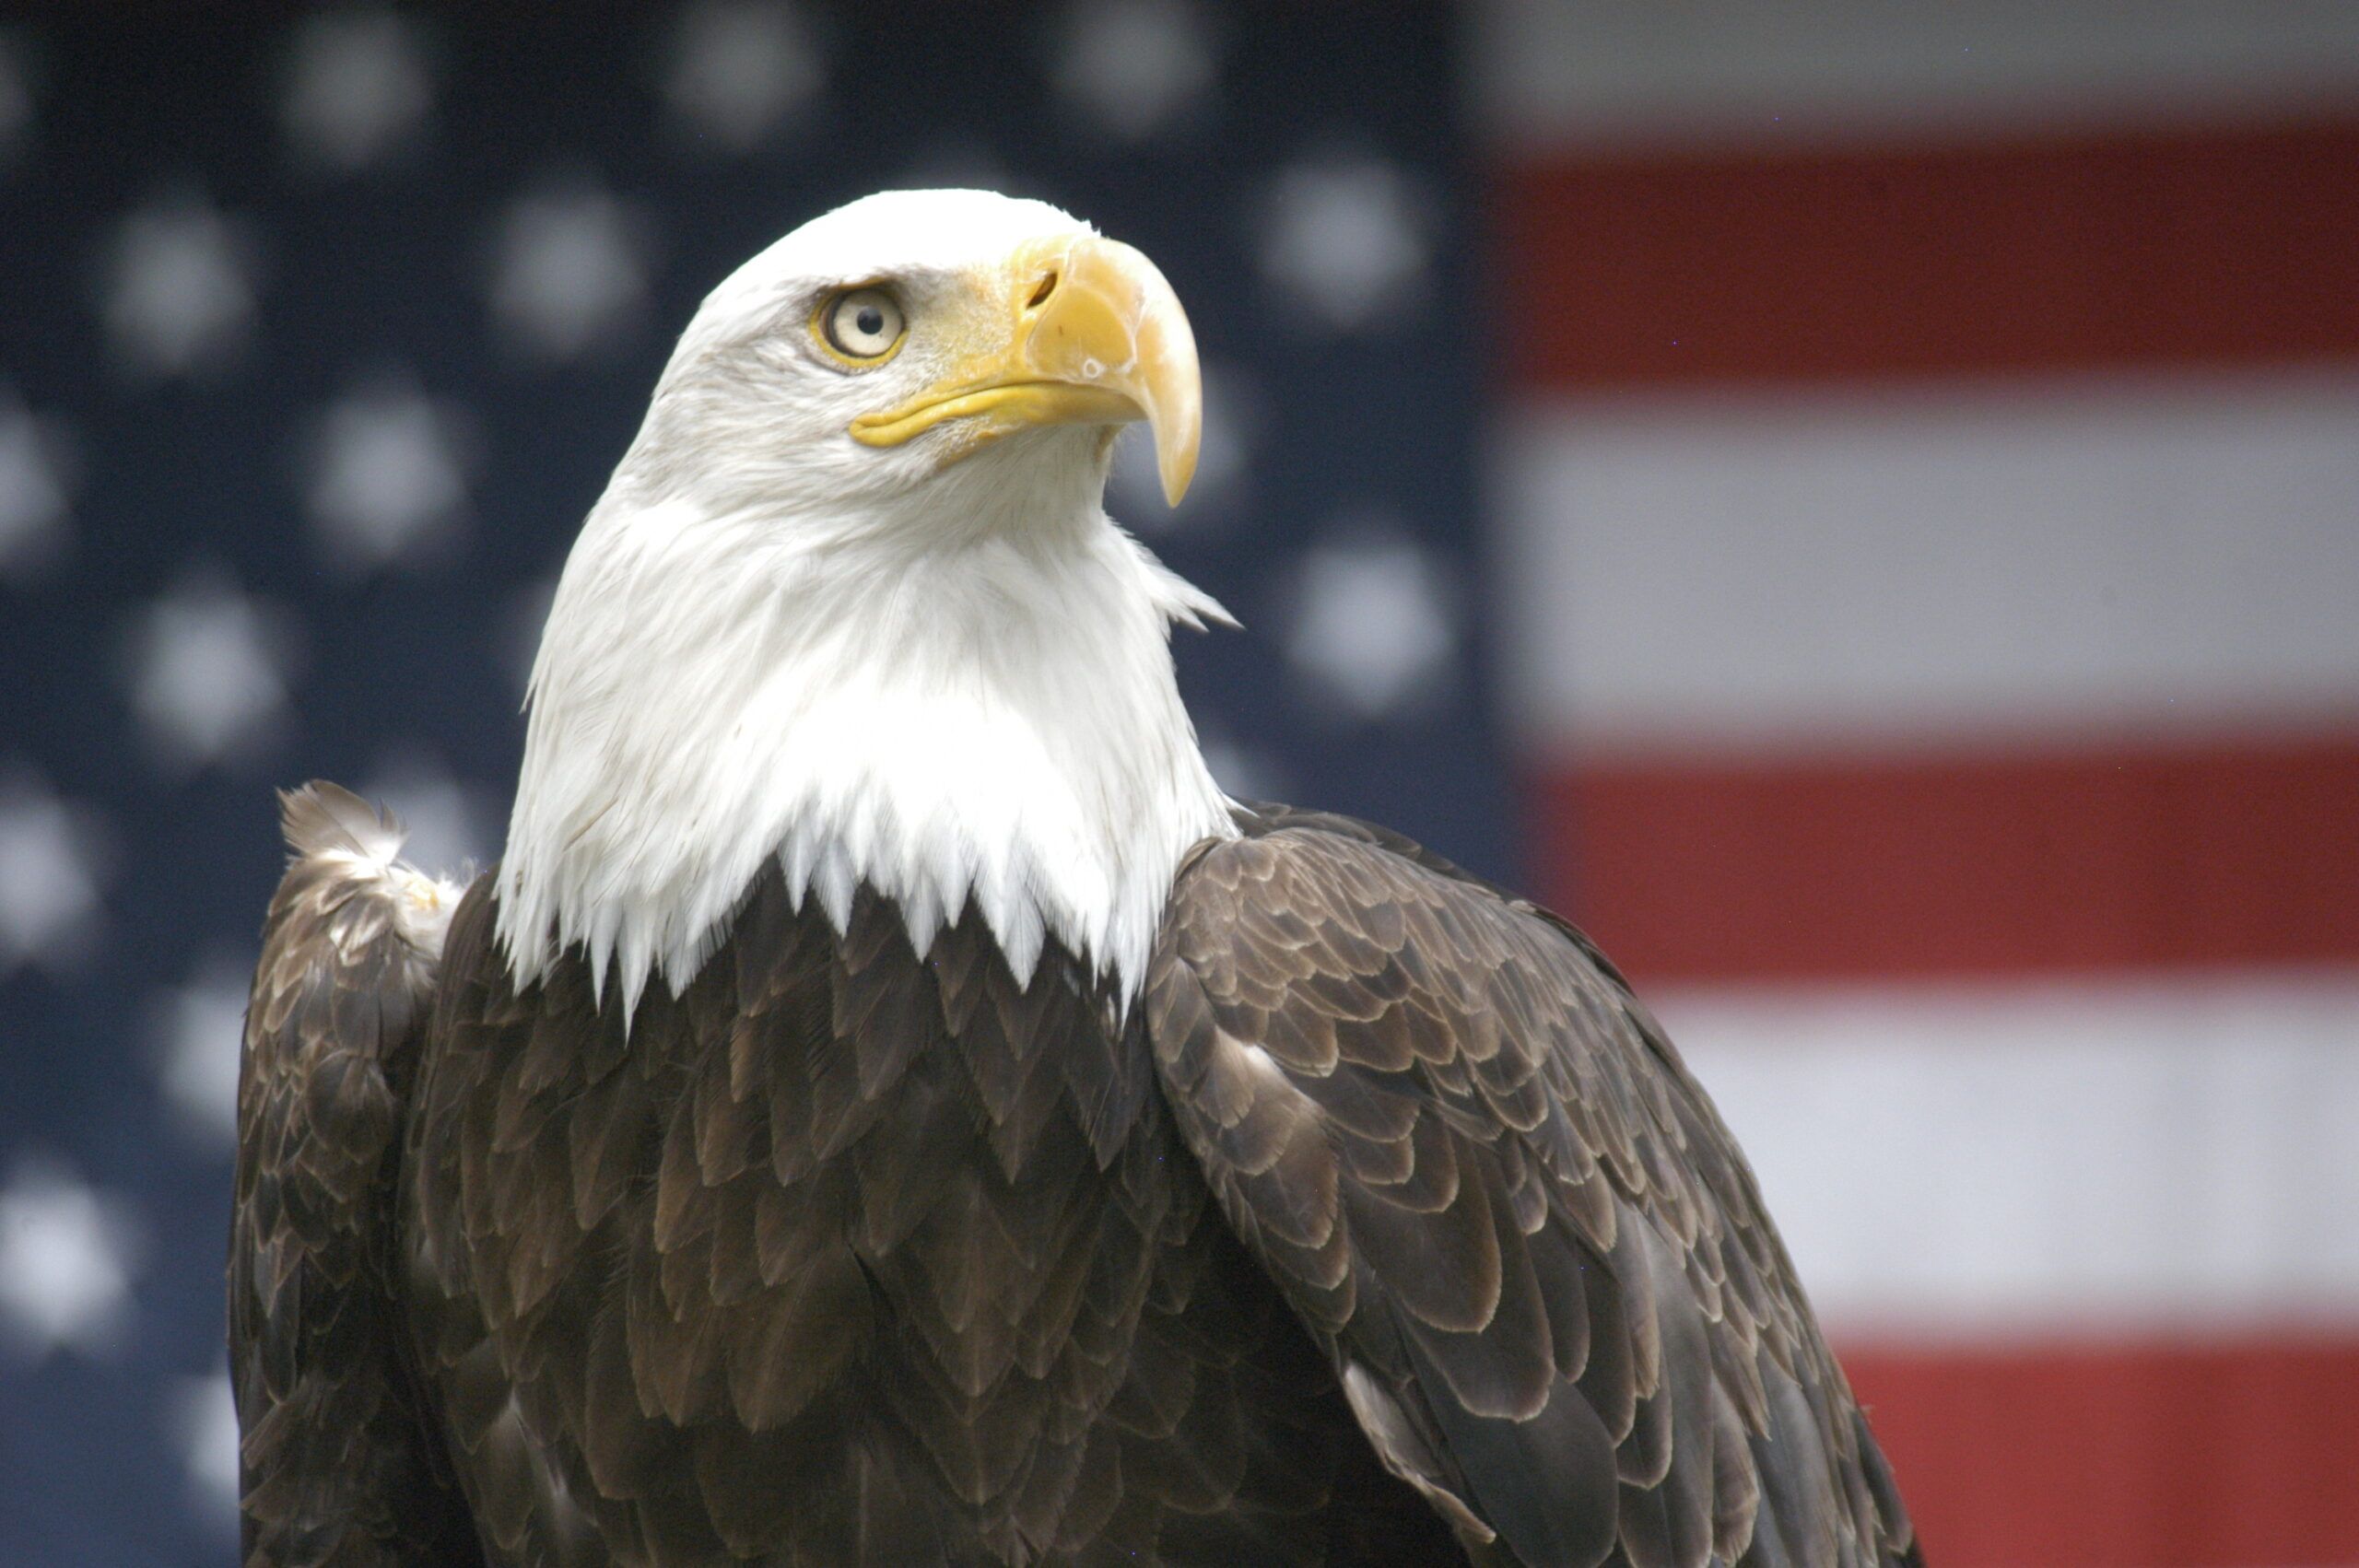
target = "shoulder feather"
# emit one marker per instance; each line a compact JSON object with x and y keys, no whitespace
{"x":336,"y":1466}
{"x":1483,"y":1178}
{"x":348,"y":843}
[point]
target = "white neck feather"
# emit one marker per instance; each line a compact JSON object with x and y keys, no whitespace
{"x":977,"y":706}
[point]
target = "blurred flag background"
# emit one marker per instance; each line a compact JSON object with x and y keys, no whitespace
{"x":1928,"y":519}
{"x":1858,"y":503}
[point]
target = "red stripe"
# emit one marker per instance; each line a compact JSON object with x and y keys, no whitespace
{"x":1959,"y":865}
{"x":2206,"y":1456}
{"x":2194,"y":247}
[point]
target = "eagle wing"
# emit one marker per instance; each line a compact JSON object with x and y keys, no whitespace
{"x":1491,"y":1190}
{"x":336,"y":1465}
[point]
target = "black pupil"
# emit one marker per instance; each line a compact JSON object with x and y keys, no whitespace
{"x":870,"y":320}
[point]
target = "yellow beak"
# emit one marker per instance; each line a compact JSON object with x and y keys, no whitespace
{"x":1092,"y":334}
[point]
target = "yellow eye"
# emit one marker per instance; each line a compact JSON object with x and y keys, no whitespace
{"x":864,"y":323}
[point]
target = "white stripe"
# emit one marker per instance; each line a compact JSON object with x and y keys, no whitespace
{"x":1548,"y":72}
{"x":2009,"y":561}
{"x":2099,"y":1158}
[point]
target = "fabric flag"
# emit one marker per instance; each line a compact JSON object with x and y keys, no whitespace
{"x":1930,"y":506}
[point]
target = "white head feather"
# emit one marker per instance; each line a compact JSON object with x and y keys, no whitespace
{"x":952,"y":683}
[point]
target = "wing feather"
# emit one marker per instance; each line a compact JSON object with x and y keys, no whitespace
{"x":335,"y":1463}
{"x":1486,"y":1183}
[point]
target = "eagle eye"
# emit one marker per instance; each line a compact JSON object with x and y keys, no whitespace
{"x":861,"y":326}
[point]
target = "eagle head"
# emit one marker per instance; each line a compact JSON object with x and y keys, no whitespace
{"x":851,"y":605}
{"x":881,"y":346}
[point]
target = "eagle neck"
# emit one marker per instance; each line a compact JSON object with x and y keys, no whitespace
{"x":967,"y":717}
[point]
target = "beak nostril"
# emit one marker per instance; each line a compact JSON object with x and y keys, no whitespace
{"x":1040,"y":295}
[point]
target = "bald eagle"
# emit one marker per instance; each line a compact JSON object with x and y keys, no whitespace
{"x":889,"y":1107}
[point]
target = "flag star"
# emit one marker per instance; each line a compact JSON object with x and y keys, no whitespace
{"x":739,"y":67}
{"x":1245,"y":772}
{"x":66,"y":1257}
{"x":52,"y":857}
{"x":1373,"y":629}
{"x":209,"y":673}
{"x":1343,"y":240}
{"x":201,"y":1028}
{"x":1133,"y":65}
{"x":204,"y":1418}
{"x":35,"y":480}
{"x":961,"y":163}
{"x":521,"y":624}
{"x":358,"y":85}
{"x":180,"y":292}
{"x":449,"y":824}
{"x":388,"y":484}
{"x":1233,"y":408}
{"x":569,"y":270}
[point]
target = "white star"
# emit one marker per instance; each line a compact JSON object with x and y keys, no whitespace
{"x":36,"y":473}
{"x":201,"y":1030}
{"x":66,"y":1257}
{"x":1132,"y":65}
{"x":209,"y":673}
{"x":450,"y":826}
{"x":388,"y":481}
{"x":357,"y":86}
{"x":568,"y":271}
{"x":739,"y":67}
{"x":961,"y":163}
{"x":1243,"y":772}
{"x":1344,"y":239}
{"x":204,"y":1419}
{"x":16,"y":100}
{"x":180,"y":294}
{"x":1234,"y":408}
{"x":521,"y":624}
{"x":52,"y":859}
{"x":1373,"y":629}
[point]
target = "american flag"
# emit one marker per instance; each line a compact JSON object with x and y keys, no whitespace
{"x":1928,"y":511}
{"x":1858,"y":503}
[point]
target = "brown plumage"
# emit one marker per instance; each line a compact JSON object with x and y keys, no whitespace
{"x":849,"y":1255}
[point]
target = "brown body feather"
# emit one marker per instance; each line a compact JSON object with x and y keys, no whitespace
{"x":1487,"y":1184}
{"x":843,"y":1255}
{"x":340,"y":1466}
